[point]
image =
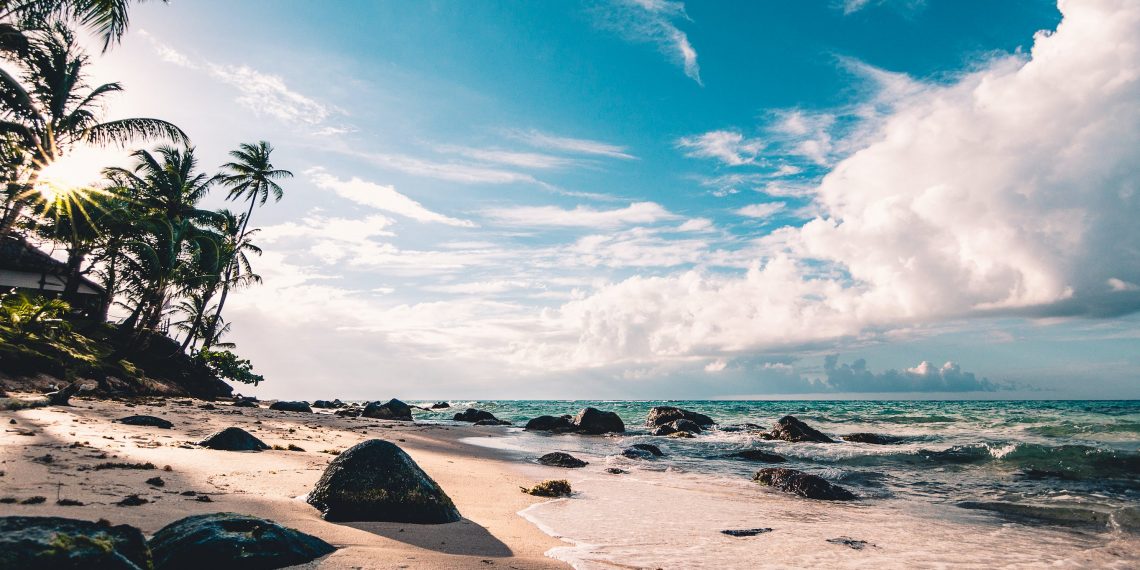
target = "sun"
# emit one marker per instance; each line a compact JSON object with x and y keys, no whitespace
{"x":63,"y":177}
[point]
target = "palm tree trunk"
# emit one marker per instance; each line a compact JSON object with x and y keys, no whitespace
{"x":229,"y":271}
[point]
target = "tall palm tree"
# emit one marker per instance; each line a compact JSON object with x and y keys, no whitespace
{"x":234,"y":256}
{"x":250,"y":176}
{"x":53,"y":109}
{"x":108,"y":18}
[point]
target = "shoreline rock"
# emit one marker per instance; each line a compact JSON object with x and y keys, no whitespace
{"x":391,"y":410}
{"x":560,"y":459}
{"x":233,"y":439}
{"x":291,"y":407}
{"x":661,"y":415}
{"x":790,"y":428}
{"x":231,"y":540}
{"x":802,"y":484}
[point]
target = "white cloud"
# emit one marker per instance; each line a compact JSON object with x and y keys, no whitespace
{"x":697,"y":225}
{"x":581,"y":216}
{"x":316,"y":226}
{"x":761,"y":211}
{"x":384,"y":198}
{"x":652,"y":21}
{"x":451,"y":171}
{"x":512,"y":158}
{"x":730,"y":147}
{"x":571,"y":145}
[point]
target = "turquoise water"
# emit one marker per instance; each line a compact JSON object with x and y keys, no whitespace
{"x":1060,"y":482}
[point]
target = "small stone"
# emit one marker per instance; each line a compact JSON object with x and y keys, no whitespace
{"x":559,"y":459}
{"x":746,"y":532}
{"x":156,"y":482}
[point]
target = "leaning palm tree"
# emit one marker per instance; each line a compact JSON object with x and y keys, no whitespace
{"x":233,"y":252}
{"x":51,"y":109}
{"x":108,"y":18}
{"x":251,"y":176}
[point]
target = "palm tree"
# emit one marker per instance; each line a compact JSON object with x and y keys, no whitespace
{"x":108,"y":18}
{"x":52,"y":110}
{"x":250,"y":176}
{"x":233,"y":250}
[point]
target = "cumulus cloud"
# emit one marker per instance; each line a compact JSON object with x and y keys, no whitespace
{"x":384,"y":198}
{"x":581,"y":216}
{"x":653,"y":21}
{"x":925,"y":377}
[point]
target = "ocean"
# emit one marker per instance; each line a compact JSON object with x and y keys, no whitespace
{"x":1014,"y":484}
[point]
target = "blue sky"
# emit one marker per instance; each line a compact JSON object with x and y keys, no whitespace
{"x":650,"y":198}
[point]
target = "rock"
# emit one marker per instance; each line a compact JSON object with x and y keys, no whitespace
{"x":391,"y":410}
{"x":62,"y":397}
{"x":229,"y":540}
{"x":656,"y":451}
{"x":473,"y":415}
{"x":233,"y":439}
{"x":802,"y":484}
{"x":440,"y":406}
{"x":681,"y":435}
{"x":559,"y":459}
{"x":682,"y":425}
{"x":615,"y":471}
{"x":633,"y":453}
{"x":873,"y":438}
{"x":662,"y":415}
{"x":132,"y":501}
{"x":495,"y":422}
{"x":550,"y":423}
{"x":291,"y":407}
{"x":757,"y":455}
{"x":56,"y":543}
{"x":209,"y":407}
{"x":348,"y":412}
{"x":376,"y":481}
{"x":327,"y":404}
{"x":245,"y":403}
{"x":148,"y":421}
{"x":849,"y":542}
{"x":596,"y":422}
{"x":555,"y":488}
{"x":789,"y":428}
{"x":156,"y":482}
{"x":746,"y":532}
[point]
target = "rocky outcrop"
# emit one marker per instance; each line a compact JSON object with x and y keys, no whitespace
{"x":328,"y":404}
{"x":229,"y":540}
{"x":391,"y":410}
{"x":802,"y":484}
{"x":559,"y":459}
{"x":633,"y":453}
{"x":677,"y":426}
{"x":146,"y":421}
{"x":790,"y":428}
{"x":757,"y":455}
{"x":376,"y":481}
{"x":440,"y":406}
{"x":56,"y":543}
{"x":473,"y":415}
{"x":233,"y":439}
{"x":353,"y":412}
{"x":593,"y":421}
{"x":662,"y":415}
{"x":873,"y":438}
{"x":559,"y":424}
{"x":291,"y":407}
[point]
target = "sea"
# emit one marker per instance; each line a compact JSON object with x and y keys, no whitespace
{"x":971,"y":484}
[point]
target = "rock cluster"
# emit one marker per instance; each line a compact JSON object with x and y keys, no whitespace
{"x":391,"y":410}
{"x":591,"y":421}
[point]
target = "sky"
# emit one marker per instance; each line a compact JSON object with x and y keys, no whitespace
{"x":661,"y":199}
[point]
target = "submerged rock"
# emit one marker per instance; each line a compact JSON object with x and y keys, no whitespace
{"x":596,"y":422}
{"x":291,"y":407}
{"x":229,"y":540}
{"x":802,"y":484}
{"x":746,"y":532}
{"x":473,"y":415}
{"x":790,"y":428}
{"x":633,"y":453}
{"x":662,"y":415}
{"x":440,"y":406}
{"x":677,"y":426}
{"x":391,"y":410}
{"x":873,"y":438}
{"x":554,"y":424}
{"x":554,"y":488}
{"x":757,"y":455}
{"x":233,"y":439}
{"x":559,"y":459}
{"x":57,"y":543}
{"x":656,"y":451}
{"x":147,"y":421}
{"x":376,"y":481}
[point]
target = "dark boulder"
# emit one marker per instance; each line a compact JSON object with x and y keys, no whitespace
{"x":245,"y":403}
{"x":802,"y":484}
{"x":229,"y":540}
{"x":757,"y":455}
{"x":551,"y":423}
{"x":440,"y":406}
{"x":495,"y":422}
{"x":348,"y":412}
{"x":376,"y":481}
{"x":790,"y":428}
{"x":634,"y":453}
{"x":873,"y":438}
{"x":56,"y":543}
{"x":662,"y":415}
{"x":682,"y":425}
{"x":559,"y":459}
{"x":596,"y":422}
{"x":328,"y":404}
{"x":391,"y":410}
{"x":147,"y":421}
{"x":473,"y":415}
{"x":291,"y":407}
{"x":233,"y":439}
{"x":656,"y":451}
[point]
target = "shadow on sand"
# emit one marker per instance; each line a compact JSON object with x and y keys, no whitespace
{"x":464,"y":537}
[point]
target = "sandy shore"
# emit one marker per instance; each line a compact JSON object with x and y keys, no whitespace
{"x":51,"y":452}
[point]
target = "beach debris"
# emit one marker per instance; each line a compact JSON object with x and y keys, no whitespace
{"x":560,"y":459}
{"x":132,"y":501}
{"x":677,"y":426}
{"x":790,"y":428}
{"x":328,"y":404}
{"x":123,"y":465}
{"x":233,"y":439}
{"x":850,"y":542}
{"x":662,"y":415}
{"x":552,"y":488}
{"x":62,"y":397}
{"x":596,"y":422}
{"x":391,"y":410}
{"x":146,"y":421}
{"x":802,"y":484}
{"x":156,"y":482}
{"x":376,"y":481}
{"x":230,"y":540}
{"x":291,"y":407}
{"x":746,"y":532}
{"x":57,"y":542}
{"x":757,"y":455}
{"x":873,"y":438}
{"x":615,"y":471}
{"x":473,"y":415}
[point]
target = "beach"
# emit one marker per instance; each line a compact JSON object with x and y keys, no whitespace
{"x":269,"y":484}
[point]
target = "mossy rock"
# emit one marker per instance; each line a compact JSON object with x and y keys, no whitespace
{"x":230,"y":540}
{"x":552,"y":488}
{"x":57,"y":543}
{"x":376,"y":481}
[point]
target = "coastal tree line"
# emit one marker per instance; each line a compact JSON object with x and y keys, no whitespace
{"x":142,"y":232}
